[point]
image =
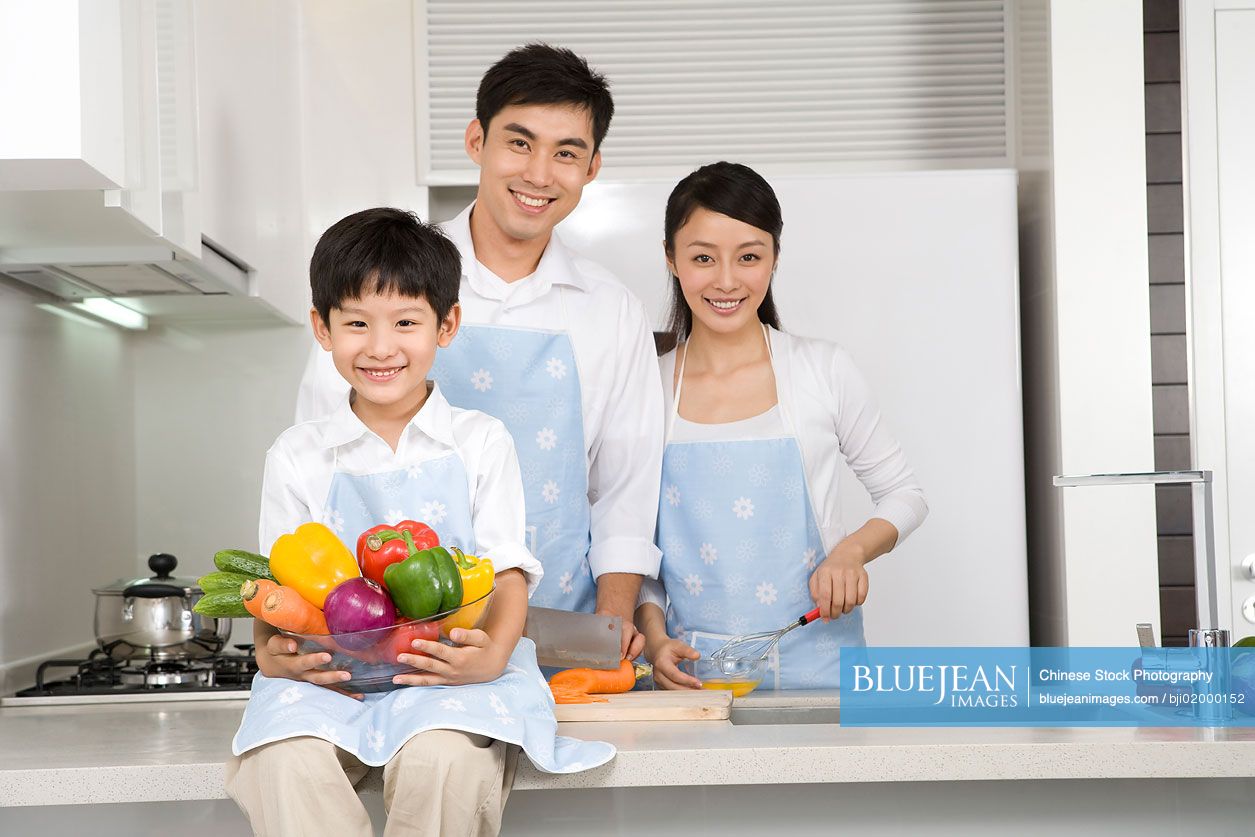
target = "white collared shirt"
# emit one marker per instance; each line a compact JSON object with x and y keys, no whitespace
{"x":826,"y":401}
{"x":619,"y":389}
{"x":301,"y":463}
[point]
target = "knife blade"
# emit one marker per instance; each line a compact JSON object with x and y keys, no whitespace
{"x":574,"y":640}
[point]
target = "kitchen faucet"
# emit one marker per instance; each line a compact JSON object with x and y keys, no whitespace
{"x":1206,"y":589}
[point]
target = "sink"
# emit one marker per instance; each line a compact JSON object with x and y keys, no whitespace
{"x":747,"y":715}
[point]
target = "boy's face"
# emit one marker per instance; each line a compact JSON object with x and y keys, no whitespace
{"x":384,"y":346}
{"x":534,"y":162}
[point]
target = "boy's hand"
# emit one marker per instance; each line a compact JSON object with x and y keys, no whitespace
{"x":666,"y":656}
{"x":475,"y":659}
{"x":278,"y":658}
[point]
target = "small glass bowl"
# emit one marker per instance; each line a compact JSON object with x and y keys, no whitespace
{"x":739,"y":676}
{"x":371,"y":656}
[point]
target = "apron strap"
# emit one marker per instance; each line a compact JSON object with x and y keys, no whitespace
{"x":682,"y":355}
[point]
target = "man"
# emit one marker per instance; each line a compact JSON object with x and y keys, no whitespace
{"x":551,"y":344}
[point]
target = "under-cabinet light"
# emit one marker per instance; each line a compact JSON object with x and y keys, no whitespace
{"x":107,"y":309}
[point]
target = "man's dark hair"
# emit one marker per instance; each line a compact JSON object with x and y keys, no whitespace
{"x":384,"y":251}
{"x":539,"y":74}
{"x":729,"y":189}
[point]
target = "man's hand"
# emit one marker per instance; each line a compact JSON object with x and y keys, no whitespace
{"x":475,"y":659}
{"x":616,"y":596}
{"x":839,"y":584}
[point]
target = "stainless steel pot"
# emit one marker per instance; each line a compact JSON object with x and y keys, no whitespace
{"x":153,"y":617}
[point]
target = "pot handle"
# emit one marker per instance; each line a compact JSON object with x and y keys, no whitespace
{"x":152,"y":590}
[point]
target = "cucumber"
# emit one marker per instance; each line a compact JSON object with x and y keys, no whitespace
{"x":243,"y":562}
{"x":222,"y":605}
{"x":222,"y":582}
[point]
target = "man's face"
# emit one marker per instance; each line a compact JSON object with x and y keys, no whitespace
{"x":534,"y":162}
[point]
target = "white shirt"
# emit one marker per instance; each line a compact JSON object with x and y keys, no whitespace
{"x":827,"y":402}
{"x":619,"y":388}
{"x":303,"y":460}
{"x":766,"y":425}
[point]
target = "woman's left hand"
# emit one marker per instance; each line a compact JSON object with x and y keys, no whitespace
{"x":839,"y":584}
{"x":475,"y":659}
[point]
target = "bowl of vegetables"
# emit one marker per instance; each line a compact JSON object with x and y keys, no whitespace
{"x":370,"y":655}
{"x":367,"y":609}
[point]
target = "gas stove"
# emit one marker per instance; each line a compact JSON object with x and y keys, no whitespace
{"x":101,"y":679}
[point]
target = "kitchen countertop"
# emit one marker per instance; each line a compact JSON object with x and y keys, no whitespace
{"x":59,"y":755}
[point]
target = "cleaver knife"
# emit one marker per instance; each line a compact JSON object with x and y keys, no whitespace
{"x":574,"y":640}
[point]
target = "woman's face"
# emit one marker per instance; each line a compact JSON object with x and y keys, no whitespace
{"x":724,"y":267}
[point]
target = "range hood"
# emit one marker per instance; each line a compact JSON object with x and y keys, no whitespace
{"x":135,"y":272}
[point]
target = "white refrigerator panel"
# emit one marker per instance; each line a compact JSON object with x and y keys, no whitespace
{"x":916,"y":275}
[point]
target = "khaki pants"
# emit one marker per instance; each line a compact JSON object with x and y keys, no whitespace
{"x":442,"y":783}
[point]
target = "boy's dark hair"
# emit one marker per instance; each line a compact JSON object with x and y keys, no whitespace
{"x":384,"y":250}
{"x":539,"y":74}
{"x":729,"y":189}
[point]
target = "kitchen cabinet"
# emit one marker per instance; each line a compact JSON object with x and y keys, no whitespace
{"x":1218,"y":74}
{"x":99,"y":145}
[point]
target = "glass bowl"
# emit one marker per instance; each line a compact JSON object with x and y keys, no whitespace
{"x":371,"y":656}
{"x":739,"y":676}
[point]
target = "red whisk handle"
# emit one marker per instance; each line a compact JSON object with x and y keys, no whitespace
{"x":810,"y":617}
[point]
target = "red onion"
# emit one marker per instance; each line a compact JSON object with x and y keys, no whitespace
{"x":358,"y":604}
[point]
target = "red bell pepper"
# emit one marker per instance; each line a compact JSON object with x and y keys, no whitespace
{"x":381,"y":546}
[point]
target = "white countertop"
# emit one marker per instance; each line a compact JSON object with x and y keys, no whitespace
{"x":58,"y":755}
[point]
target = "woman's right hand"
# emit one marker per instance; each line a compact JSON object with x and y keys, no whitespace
{"x":277,"y":657}
{"x":666,"y":656}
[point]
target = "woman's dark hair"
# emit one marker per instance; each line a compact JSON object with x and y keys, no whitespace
{"x":384,"y":251}
{"x":539,"y":74}
{"x":730,"y":189}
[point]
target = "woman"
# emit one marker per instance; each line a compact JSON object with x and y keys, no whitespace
{"x":757,"y":422}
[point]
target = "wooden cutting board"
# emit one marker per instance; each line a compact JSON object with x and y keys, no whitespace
{"x":651,"y":706}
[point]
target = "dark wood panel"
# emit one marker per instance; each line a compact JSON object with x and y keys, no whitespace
{"x":1174,"y":513}
{"x":1172,"y":453}
{"x":1163,"y":108}
{"x":1160,"y":16}
{"x":1176,"y":611}
{"x":1165,"y":212}
{"x":1176,"y":560}
{"x":1171,"y":408}
{"x":1167,"y":309}
{"x":1161,"y":56}
{"x":1163,"y":158}
{"x":1167,"y":259}
{"x":1168,"y":361}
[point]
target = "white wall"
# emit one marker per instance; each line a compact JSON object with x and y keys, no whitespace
{"x":1086,"y":323}
{"x":67,"y":478}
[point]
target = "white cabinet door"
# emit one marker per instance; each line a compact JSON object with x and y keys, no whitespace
{"x":1218,"y":51}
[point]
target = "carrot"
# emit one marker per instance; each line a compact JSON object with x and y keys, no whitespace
{"x":575,"y":685}
{"x":284,"y":608}
{"x":569,"y":695}
{"x":254,"y":592}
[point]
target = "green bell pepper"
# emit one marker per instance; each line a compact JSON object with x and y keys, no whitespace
{"x":415,"y":583}
{"x":450,"y":579}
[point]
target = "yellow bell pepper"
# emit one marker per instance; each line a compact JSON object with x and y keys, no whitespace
{"x":312,"y":561}
{"x":477,"y":582}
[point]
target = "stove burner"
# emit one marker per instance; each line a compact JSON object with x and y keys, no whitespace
{"x":99,"y":674}
{"x":165,"y":674}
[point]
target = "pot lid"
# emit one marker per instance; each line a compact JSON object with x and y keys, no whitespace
{"x":162,"y":564}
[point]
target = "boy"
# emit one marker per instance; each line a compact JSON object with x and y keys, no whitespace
{"x":385,"y":293}
{"x":557,"y":348}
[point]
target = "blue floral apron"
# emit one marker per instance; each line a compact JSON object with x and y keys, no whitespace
{"x":516,"y":708}
{"x":528,"y":379}
{"x":739,"y":542}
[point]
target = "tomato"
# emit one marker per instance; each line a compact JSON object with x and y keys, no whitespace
{"x":399,"y":640}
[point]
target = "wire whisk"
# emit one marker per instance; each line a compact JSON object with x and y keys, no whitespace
{"x":758,"y":646}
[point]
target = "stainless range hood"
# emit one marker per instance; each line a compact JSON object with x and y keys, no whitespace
{"x":134,"y":272}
